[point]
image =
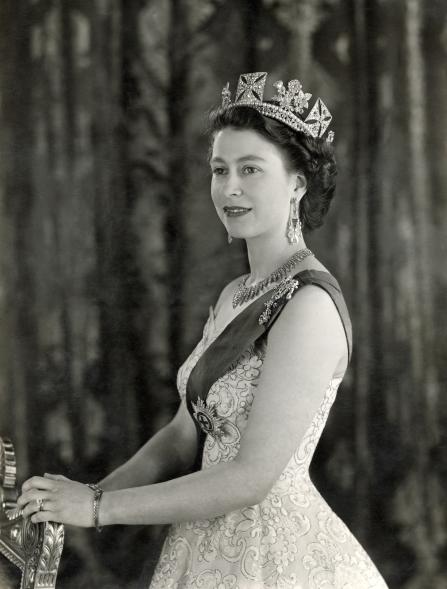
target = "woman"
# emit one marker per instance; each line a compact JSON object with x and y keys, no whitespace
{"x":257,"y":389}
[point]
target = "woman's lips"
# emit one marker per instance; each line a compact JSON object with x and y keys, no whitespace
{"x":236,"y":211}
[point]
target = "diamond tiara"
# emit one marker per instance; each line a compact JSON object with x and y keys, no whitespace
{"x":292,"y":102}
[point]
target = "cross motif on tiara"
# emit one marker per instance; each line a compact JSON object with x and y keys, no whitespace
{"x":319,"y":118}
{"x":250,"y":88}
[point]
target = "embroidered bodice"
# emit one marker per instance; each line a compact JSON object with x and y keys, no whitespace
{"x":291,"y":539}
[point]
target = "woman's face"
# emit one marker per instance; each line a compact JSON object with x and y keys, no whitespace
{"x":251,"y":187}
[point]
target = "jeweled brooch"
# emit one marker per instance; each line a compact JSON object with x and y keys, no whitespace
{"x":285,"y":288}
{"x":207,"y":418}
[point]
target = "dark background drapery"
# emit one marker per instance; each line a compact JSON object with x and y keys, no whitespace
{"x":111,"y":251}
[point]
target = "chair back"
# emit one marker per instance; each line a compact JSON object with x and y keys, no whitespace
{"x":35,"y":549}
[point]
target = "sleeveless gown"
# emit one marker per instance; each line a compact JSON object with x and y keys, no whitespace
{"x":292,"y":539}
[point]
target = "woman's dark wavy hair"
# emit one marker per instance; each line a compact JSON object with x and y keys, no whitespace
{"x":314,"y":157}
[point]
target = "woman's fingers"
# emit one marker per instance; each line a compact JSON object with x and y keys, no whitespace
{"x":30,"y":508}
{"x":28,"y":497}
{"x":43,"y":483}
{"x":55,"y":477}
{"x":42,"y":516}
{"x":34,"y":489}
{"x":37,"y":505}
{"x":58,"y":499}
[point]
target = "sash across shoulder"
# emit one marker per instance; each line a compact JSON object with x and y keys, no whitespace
{"x":244,"y":330}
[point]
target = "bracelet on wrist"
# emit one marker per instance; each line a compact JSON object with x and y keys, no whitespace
{"x":98,"y":492}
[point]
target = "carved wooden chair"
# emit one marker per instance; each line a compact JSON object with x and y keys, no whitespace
{"x":35,"y":549}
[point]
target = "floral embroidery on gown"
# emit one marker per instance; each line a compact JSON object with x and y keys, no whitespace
{"x":292,"y":539}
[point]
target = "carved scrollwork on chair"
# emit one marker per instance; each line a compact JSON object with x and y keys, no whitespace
{"x":35,"y":549}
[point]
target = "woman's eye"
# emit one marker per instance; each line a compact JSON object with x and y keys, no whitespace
{"x":250,"y":170}
{"x":218,"y":171}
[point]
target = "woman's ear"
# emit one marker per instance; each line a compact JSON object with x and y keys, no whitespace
{"x":300,"y":183}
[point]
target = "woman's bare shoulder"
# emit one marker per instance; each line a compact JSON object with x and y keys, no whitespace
{"x":321,"y":327}
{"x":312,"y":263}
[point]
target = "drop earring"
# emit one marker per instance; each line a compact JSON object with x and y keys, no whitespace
{"x":230,"y":239}
{"x":294,"y":224}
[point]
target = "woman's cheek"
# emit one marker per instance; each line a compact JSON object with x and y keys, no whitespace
{"x":214,"y":196}
{"x":216,"y":190}
{"x":218,"y":205}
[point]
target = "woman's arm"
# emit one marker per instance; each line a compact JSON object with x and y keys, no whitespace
{"x":169,"y":453}
{"x":305,"y":345}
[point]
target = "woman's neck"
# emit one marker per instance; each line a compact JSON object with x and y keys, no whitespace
{"x":267,"y":255}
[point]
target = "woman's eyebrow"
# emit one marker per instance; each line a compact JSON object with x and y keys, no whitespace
{"x":241,"y":159}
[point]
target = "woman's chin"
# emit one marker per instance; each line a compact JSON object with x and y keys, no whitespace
{"x":235,"y":234}
{"x":246,"y":236}
{"x":238,"y":231}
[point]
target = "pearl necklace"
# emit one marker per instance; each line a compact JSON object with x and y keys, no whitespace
{"x":246,"y":293}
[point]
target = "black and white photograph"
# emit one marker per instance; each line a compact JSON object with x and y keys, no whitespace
{"x":223,"y":286}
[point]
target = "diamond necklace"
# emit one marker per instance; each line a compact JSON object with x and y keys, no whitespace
{"x":246,"y":293}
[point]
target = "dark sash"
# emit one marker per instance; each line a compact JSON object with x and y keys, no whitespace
{"x":243,"y":331}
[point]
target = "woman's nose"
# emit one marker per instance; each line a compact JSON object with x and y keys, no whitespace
{"x":233,"y":185}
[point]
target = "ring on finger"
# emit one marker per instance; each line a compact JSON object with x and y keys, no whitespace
{"x":40,"y":503}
